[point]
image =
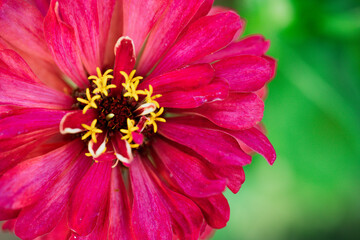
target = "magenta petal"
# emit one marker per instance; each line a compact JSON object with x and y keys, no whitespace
{"x":257,"y":141}
{"x":90,"y":20}
{"x":19,"y":88}
{"x":96,"y":149}
{"x":60,"y":232}
{"x":122,"y":149}
{"x":252,"y":45}
{"x":148,"y":209}
{"x":27,"y":120}
{"x":165,"y":32}
{"x":71,"y":122}
{"x":27,"y":182}
{"x":42,"y":217}
{"x":17,"y":149}
{"x":124,"y":61}
{"x":238,"y":111}
{"x":89,"y":197}
{"x":199,"y":40}
{"x":245,"y":73}
{"x":216,"y":210}
{"x":62,"y":43}
{"x":234,"y":175}
{"x":186,"y":216}
{"x":216,"y":90}
{"x":217,"y":147}
{"x":190,"y":174}
{"x":204,"y":9}
{"x":184,"y":79}
{"x":21,"y":25}
{"x":120,"y":211}
{"x":140,"y":17}
{"x":6,"y":214}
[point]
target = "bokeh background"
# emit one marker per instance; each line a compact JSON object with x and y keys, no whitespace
{"x":313,"y":119}
{"x":312,"y":115}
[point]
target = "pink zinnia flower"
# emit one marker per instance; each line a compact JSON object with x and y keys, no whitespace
{"x":93,"y":149}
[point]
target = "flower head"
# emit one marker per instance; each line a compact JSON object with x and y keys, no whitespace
{"x":94,"y":148}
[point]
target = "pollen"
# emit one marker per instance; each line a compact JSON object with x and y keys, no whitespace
{"x":131,"y":85}
{"x":101,"y":82}
{"x":90,"y":102}
{"x":92,"y":131}
{"x":128,"y":132}
{"x":155,"y":117}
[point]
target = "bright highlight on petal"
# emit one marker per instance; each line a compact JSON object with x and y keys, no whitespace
{"x":92,"y":130}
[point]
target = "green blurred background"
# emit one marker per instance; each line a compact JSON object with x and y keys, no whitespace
{"x":312,"y":116}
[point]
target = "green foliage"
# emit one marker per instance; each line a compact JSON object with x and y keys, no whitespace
{"x":312,"y":115}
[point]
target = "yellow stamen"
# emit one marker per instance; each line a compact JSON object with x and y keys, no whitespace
{"x":90,"y":102}
{"x":92,"y":130}
{"x":149,"y":98}
{"x":101,"y":82}
{"x":155,"y":117}
{"x":128,"y":132}
{"x":131,"y":84}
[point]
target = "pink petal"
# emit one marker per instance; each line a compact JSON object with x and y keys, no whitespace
{"x":199,"y":40}
{"x":71,"y":122}
{"x":203,"y":10}
{"x":27,"y":120}
{"x":238,"y":111}
{"x":252,"y":45}
{"x":18,"y":87}
{"x":147,"y":209}
{"x":190,"y":174}
{"x":215,"y":146}
{"x":20,"y":148}
{"x":119,"y":214}
{"x":88,"y":198}
{"x":122,"y":149}
{"x":27,"y":182}
{"x":216,"y":90}
{"x":257,"y":141}
{"x":216,"y":210}
{"x":96,"y":149}
{"x":140,"y":17}
{"x":62,"y":43}
{"x":6,"y":214}
{"x":9,"y":225}
{"x":60,"y":232}
{"x":124,"y":61}
{"x":273,"y":65}
{"x":245,"y":73}
{"x":21,"y":25}
{"x":91,"y":22}
{"x":186,"y":217}
{"x":42,"y":5}
{"x":234,"y":175}
{"x":44,"y":215}
{"x":165,"y":32}
{"x":184,"y":79}
{"x":101,"y":229}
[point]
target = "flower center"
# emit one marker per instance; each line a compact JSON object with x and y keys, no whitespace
{"x":129,"y":113}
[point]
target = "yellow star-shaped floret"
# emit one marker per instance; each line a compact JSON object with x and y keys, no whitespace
{"x":131,"y":84}
{"x":155,"y":117}
{"x":101,"y":82}
{"x":149,"y":98}
{"x":128,"y":132}
{"x":90,"y":102}
{"x":92,"y":130}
